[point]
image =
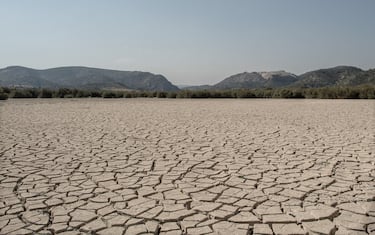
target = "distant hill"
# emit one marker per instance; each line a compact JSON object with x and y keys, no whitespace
{"x":337,"y":76}
{"x":197,"y":88}
{"x":257,"y":80}
{"x":83,"y":78}
{"x":279,"y":78}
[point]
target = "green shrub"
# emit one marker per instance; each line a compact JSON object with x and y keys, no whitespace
{"x":108,"y":94}
{"x":353,"y":94}
{"x":161,"y":94}
{"x":95,"y":94}
{"x":45,"y":93}
{"x":172,"y":95}
{"x":3,"y":96}
{"x":200,"y":94}
{"x":184,"y":94}
{"x":245,"y":94}
{"x":112,"y":94}
{"x":128,"y":95}
{"x":62,"y":92}
{"x":82,"y":94}
{"x":5,"y":90}
{"x":24,"y":93}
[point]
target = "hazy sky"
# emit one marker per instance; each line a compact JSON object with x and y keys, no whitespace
{"x":191,"y":41}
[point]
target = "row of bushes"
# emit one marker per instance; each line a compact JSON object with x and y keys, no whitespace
{"x":364,"y":92}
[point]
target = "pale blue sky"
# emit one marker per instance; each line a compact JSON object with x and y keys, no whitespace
{"x":191,"y":41}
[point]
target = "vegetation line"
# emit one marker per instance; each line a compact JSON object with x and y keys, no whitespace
{"x":359,"y":92}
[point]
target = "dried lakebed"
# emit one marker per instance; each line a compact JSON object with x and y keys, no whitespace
{"x":151,"y":166}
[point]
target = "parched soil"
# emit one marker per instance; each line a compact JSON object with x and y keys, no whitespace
{"x":151,"y":166}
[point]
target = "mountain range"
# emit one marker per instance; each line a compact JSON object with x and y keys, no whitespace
{"x":337,"y":76}
{"x":94,"y":78}
{"x":83,"y":78}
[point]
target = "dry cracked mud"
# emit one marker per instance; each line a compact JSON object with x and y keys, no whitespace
{"x":151,"y":166}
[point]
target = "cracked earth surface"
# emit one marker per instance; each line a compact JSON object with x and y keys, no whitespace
{"x":149,"y":166}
